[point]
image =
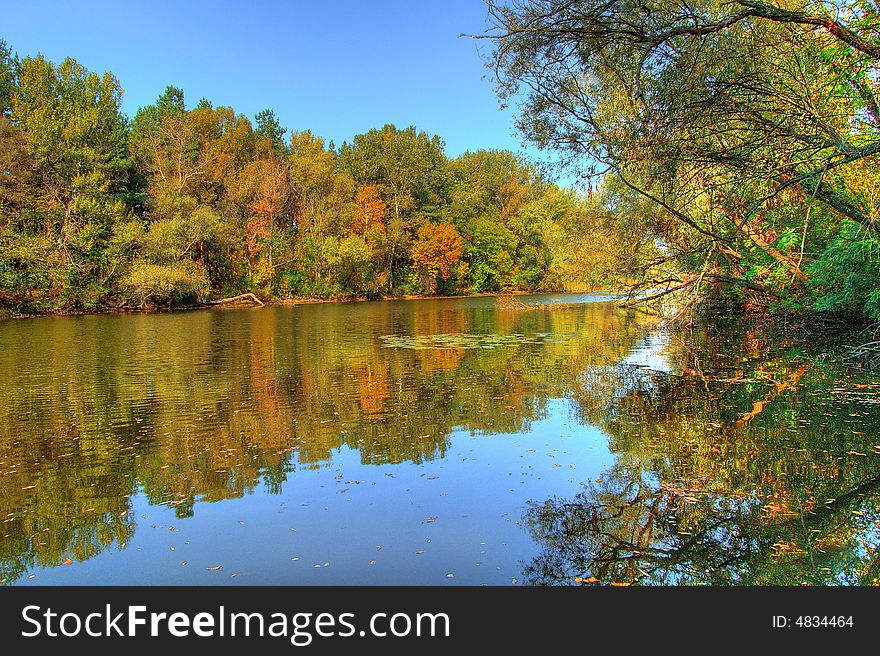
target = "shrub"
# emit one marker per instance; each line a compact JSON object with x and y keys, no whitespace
{"x":161,"y":284}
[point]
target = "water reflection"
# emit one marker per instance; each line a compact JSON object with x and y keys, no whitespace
{"x":755,"y":462}
{"x":734,"y":457}
{"x":204,"y":406}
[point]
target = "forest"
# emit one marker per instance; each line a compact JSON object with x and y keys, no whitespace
{"x":184,"y":205}
{"x":724,"y":159}
{"x":726,"y":155}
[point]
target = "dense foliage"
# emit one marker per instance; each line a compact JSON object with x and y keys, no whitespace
{"x":741,"y":137}
{"x":184,"y":205}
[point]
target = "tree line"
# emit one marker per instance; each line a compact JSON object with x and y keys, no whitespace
{"x":181,"y":205}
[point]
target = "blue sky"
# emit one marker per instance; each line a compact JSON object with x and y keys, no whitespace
{"x":337,"y":67}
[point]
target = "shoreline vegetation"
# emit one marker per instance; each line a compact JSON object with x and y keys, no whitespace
{"x":504,"y":299}
{"x":183,"y":205}
{"x":731,"y":167}
{"x":741,"y":140}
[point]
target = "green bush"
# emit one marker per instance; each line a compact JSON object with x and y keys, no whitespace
{"x":161,"y":284}
{"x":846,"y":278}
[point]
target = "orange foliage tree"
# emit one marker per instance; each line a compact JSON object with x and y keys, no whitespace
{"x":369,"y":212}
{"x":271,"y":203}
{"x":437,"y":251}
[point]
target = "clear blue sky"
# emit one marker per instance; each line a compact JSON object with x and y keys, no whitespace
{"x":336,"y":67}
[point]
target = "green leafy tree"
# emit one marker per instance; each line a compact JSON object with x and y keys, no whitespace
{"x":8,"y":66}
{"x":743,"y":123}
{"x":76,"y":140}
{"x":269,"y":129}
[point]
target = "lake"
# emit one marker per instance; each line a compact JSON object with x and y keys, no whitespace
{"x":440,"y":441}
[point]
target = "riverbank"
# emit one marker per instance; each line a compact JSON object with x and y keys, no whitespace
{"x":6,"y":313}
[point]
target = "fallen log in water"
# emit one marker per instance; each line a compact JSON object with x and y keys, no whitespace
{"x":508,"y":301}
{"x":240,"y":297}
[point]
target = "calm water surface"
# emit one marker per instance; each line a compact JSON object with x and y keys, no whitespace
{"x":445,"y":441}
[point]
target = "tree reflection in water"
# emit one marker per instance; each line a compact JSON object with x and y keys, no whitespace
{"x":754,"y":463}
{"x":191,"y":408}
{"x":740,"y":457}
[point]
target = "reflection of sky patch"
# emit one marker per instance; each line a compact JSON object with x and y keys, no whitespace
{"x":651,"y":353}
{"x":415,"y":521}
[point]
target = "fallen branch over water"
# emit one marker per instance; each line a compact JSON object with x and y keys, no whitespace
{"x":697,"y":279}
{"x":868,"y":353}
{"x":689,"y":280}
{"x":240,"y":297}
{"x":510,"y":302}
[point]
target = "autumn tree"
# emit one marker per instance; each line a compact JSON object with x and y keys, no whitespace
{"x":436,"y":253}
{"x":409,"y":169}
{"x":270,"y":214}
{"x":185,"y":204}
{"x":369,"y":212}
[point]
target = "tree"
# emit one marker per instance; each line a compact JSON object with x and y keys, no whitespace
{"x":732,"y":118}
{"x":8,"y":66}
{"x":370,"y":211}
{"x":25,"y":250}
{"x":409,"y":170}
{"x":19,"y":183}
{"x":407,"y":166}
{"x":271,"y":213}
{"x":323,"y":209}
{"x":269,"y":129}
{"x":76,"y":141}
{"x":436,"y":252}
{"x":488,"y":181}
{"x":165,"y":143}
{"x":489,"y":252}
